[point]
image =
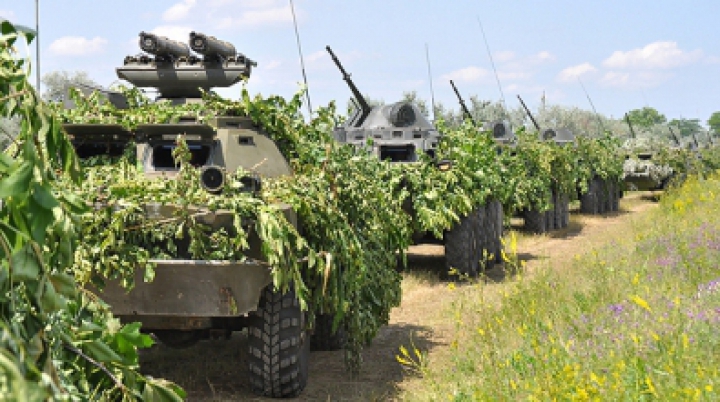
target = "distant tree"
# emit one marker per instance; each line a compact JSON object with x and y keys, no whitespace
{"x":686,"y":127}
{"x":412,"y":97}
{"x":56,"y":83}
{"x":714,"y":123}
{"x":646,"y":117}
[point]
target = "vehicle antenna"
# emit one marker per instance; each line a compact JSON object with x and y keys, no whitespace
{"x":432,"y":92}
{"x":597,"y":116}
{"x":302,"y":61}
{"x":492,"y":62}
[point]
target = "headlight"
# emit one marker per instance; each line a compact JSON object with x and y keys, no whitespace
{"x":212,"y":179}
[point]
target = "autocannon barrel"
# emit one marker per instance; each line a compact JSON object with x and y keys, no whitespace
{"x":162,"y":46}
{"x":211,"y":46}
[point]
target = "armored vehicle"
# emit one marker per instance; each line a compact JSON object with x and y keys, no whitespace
{"x":188,"y":300}
{"x":399,"y":133}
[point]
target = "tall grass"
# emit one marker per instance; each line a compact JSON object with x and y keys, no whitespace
{"x":635,"y":319}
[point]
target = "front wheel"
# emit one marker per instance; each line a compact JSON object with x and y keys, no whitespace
{"x":279,"y":346}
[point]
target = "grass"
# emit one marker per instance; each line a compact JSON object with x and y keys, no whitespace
{"x":635,"y":318}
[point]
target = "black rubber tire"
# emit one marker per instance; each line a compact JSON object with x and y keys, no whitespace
{"x":483,"y":233}
{"x":535,"y":221}
{"x":278,"y":346}
{"x":178,"y":339}
{"x":460,"y":247}
{"x":498,"y":219}
{"x":323,"y":338}
{"x":565,"y":210}
{"x":558,"y":209}
{"x":617,"y":194}
{"x":589,"y":201}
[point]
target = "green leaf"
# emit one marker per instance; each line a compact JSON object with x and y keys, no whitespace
{"x":64,"y":284}
{"x":18,"y":182}
{"x":44,"y":197}
{"x":25,"y":264}
{"x":101,"y":352}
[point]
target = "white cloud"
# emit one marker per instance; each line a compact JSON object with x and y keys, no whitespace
{"x":257,"y":17}
{"x":467,"y":74}
{"x":542,"y":57}
{"x":504,"y":56}
{"x":315,"y":56}
{"x":77,"y":45}
{"x":7,"y":14}
{"x":656,"y":55}
{"x":514,"y":75}
{"x":178,"y":11}
{"x":634,"y":80}
{"x":573,"y":73}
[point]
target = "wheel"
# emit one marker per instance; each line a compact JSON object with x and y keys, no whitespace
{"x":178,"y":339}
{"x":535,"y":221}
{"x":617,"y":195}
{"x":323,"y":338}
{"x":558,"y":211}
{"x":589,"y":200}
{"x":460,"y":247}
{"x":498,"y":233}
{"x":278,"y":345}
{"x":565,"y":202}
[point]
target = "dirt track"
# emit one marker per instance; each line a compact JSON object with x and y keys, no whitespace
{"x":215,"y":370}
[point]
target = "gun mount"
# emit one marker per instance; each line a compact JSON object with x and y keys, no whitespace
{"x":364,"y":107}
{"x":561,"y":136}
{"x":179,"y":75}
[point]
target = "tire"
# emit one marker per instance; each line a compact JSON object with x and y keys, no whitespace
{"x":460,"y":248}
{"x":557,"y":199}
{"x":279,"y":346}
{"x":178,"y":339}
{"x":535,"y":221}
{"x":589,"y":201}
{"x":565,"y":215}
{"x":499,"y":229}
{"x":323,"y":338}
{"x":617,"y":195}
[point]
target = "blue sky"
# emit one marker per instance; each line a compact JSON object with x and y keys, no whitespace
{"x":628,"y":54}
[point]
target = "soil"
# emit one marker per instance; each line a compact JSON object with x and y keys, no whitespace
{"x":216,"y":370}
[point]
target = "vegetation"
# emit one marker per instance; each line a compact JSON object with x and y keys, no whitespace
{"x":633,"y":319}
{"x":56,"y":341}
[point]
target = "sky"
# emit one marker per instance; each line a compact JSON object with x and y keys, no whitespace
{"x":626,"y":54}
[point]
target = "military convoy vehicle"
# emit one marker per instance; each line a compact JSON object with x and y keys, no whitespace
{"x":189,"y":300}
{"x":399,"y":133}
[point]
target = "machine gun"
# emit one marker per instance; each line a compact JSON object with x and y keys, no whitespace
{"x":675,"y":137}
{"x":364,"y":106}
{"x":530,"y":115}
{"x":179,"y":75}
{"x":632,"y":131}
{"x":464,"y":108}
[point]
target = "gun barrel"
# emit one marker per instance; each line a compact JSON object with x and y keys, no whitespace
{"x":530,"y":115}
{"x":462,"y":103}
{"x":675,"y":137}
{"x":632,"y":131}
{"x":162,"y":46}
{"x":358,"y":96}
{"x":210,"y":46}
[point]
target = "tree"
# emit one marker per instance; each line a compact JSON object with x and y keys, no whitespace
{"x":57,"y":82}
{"x":714,"y":123}
{"x":686,"y":127}
{"x":646,"y":117}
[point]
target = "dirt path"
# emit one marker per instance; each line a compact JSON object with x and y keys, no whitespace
{"x":215,"y":370}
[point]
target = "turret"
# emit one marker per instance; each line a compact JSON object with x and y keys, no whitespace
{"x":177,"y":73}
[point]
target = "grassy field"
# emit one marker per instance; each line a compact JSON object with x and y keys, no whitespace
{"x":633,"y":318}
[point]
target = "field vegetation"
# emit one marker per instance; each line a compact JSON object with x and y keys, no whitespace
{"x":634,"y":318}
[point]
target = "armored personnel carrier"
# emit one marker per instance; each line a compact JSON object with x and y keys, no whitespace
{"x":399,"y":133}
{"x":190,"y":299}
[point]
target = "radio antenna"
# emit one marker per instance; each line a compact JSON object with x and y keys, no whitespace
{"x":597,"y":116}
{"x":492,"y":62}
{"x":302,"y":61}
{"x":432,"y":92}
